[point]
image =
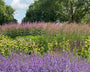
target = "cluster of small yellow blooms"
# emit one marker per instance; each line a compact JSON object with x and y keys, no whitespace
{"x":8,"y":45}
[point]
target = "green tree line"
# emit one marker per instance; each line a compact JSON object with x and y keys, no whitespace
{"x":6,"y":13}
{"x":64,"y":10}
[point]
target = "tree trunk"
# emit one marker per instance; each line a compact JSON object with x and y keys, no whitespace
{"x":72,"y":15}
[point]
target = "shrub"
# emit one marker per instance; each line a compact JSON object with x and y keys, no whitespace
{"x":41,"y":44}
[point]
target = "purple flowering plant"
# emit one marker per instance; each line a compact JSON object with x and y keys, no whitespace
{"x":50,"y":62}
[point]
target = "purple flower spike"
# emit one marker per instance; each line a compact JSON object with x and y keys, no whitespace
{"x":47,"y":63}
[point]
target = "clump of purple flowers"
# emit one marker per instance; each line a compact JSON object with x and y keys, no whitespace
{"x":50,"y":62}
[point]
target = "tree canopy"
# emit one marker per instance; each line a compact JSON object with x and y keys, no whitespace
{"x":64,"y":10}
{"x":6,"y":13}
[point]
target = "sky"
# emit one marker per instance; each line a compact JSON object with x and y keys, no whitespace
{"x":20,"y":6}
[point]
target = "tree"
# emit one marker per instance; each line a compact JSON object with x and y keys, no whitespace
{"x":41,"y":11}
{"x":51,"y":10}
{"x":6,"y":13}
{"x":74,"y":10}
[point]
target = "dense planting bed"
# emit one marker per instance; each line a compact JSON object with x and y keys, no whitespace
{"x":41,"y":44}
{"x":44,"y":47}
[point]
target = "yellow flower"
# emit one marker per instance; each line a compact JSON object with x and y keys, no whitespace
{"x":38,"y":49}
{"x":26,"y":44}
{"x":20,"y":44}
{"x":67,"y":40}
{"x":35,"y":50}
{"x":88,"y":49}
{"x":56,"y":43}
{"x":86,"y":42}
{"x":0,"y":40}
{"x":33,"y":43}
{"x":85,"y":51}
{"x":86,"y":45}
{"x":1,"y":45}
{"x":2,"y":52}
{"x":42,"y":48}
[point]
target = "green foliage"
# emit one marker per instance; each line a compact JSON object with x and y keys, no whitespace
{"x":42,"y":44}
{"x":41,"y":11}
{"x":6,"y":13}
{"x":14,"y":32}
{"x":51,"y":10}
